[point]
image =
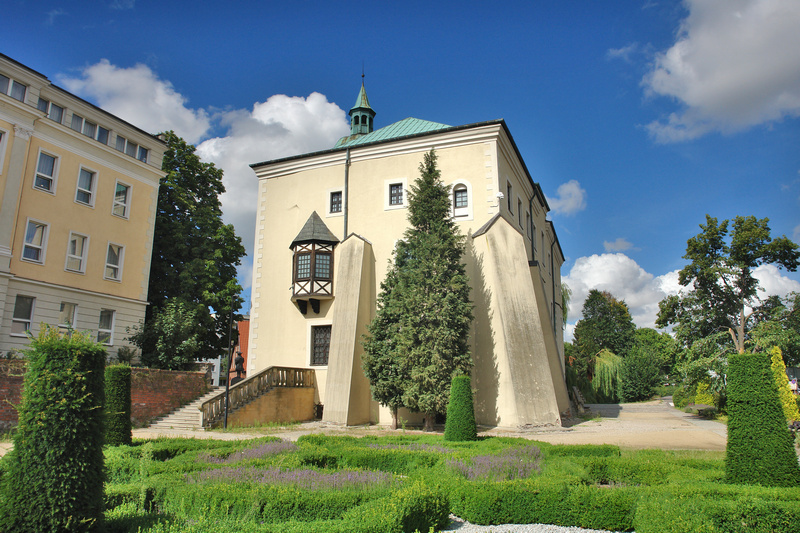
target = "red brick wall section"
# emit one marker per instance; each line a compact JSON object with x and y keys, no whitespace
{"x":11,"y":374}
{"x":155,"y":393}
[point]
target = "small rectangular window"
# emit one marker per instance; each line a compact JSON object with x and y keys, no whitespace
{"x":321,"y":345}
{"x":45,"y":172}
{"x":303,"y":270}
{"x":43,"y":105}
{"x":114,"y":258}
{"x":460,"y":198}
{"x":130,"y":149}
{"x":23,"y":315}
{"x":86,"y":184}
{"x":142,"y":155}
{"x":67,"y":315}
{"x":102,"y":134}
{"x":508,"y":196}
{"x":4,"y":81}
{"x":89,"y":129}
{"x":336,"y":202}
{"x":120,"y":143}
{"x":18,"y":91}
{"x":77,"y":123}
{"x":105,"y":327}
{"x":56,"y":113}
{"x":322,"y":265}
{"x":519,"y":212}
{"x":121,"y":200}
{"x":396,"y":194}
{"x":76,"y":252}
{"x":35,"y":242}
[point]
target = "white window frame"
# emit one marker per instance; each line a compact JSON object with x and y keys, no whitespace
{"x":462,"y":213}
{"x":509,"y":194}
{"x":42,"y":248}
{"x":93,"y":187}
{"x":328,"y":196}
{"x":81,"y":258}
{"x":519,"y":212}
{"x":387,"y":186}
{"x":310,"y":342}
{"x":127,"y":205}
{"x":20,"y":320}
{"x":68,"y":324}
{"x":54,"y":178}
{"x":110,"y":332}
{"x":111,"y":265}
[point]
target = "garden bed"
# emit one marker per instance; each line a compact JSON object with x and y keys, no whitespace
{"x":404,"y":483}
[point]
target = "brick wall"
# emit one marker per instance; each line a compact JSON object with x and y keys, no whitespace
{"x":11,"y":374}
{"x":154,"y":393}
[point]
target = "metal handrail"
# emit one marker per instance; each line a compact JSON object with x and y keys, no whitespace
{"x":246,"y":391}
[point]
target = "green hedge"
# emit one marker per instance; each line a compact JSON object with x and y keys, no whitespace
{"x":760,"y":446}
{"x":460,"y":423}
{"x":54,"y":481}
{"x":118,"y":405}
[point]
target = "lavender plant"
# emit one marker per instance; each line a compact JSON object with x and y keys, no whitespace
{"x":513,"y":463}
{"x":258,"y":452}
{"x":306,"y":479}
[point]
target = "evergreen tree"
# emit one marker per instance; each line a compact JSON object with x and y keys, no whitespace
{"x":194,"y":253}
{"x":421,"y":329}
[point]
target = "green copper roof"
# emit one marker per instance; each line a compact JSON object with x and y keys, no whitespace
{"x":314,"y":230}
{"x":361,"y":100}
{"x":407,"y":126}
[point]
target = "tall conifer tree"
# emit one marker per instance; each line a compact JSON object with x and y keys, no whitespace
{"x":419,"y":338}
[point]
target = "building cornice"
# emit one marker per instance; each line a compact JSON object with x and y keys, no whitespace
{"x":19,"y":279}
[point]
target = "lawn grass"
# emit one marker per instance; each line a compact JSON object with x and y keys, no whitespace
{"x":405,"y":482}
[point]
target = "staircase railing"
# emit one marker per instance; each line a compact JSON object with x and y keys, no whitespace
{"x":244,"y":392}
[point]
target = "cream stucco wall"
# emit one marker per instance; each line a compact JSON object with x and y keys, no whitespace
{"x":290,"y":190}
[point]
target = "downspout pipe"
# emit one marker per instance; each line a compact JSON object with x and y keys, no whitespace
{"x":346,"y":190}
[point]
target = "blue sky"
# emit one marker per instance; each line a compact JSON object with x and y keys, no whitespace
{"x":636,"y":117}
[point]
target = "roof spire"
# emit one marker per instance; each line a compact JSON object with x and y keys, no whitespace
{"x":361,"y":114}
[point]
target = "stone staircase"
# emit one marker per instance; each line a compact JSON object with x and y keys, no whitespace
{"x":186,"y":417}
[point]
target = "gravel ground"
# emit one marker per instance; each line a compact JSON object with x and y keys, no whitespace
{"x":461,"y":526}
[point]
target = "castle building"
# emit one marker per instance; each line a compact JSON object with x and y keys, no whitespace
{"x":327,"y":223}
{"x":78,"y":198}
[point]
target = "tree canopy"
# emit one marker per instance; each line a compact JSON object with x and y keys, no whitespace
{"x":195,"y":254}
{"x":720,"y":273}
{"x":420,"y":333}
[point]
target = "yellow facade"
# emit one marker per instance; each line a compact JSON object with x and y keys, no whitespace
{"x":518,"y":359}
{"x":78,"y":197}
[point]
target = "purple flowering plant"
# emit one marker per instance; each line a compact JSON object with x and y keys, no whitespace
{"x":512,"y":463}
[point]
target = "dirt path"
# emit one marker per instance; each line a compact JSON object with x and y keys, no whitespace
{"x":653,"y":424}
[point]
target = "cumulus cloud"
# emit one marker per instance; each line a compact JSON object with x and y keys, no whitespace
{"x":620,"y":245}
{"x":281,"y":126}
{"x":138,"y":95}
{"x":731,"y":67}
{"x":570,"y":199}
{"x":626,"y":280}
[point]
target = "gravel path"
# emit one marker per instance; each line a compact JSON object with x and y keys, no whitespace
{"x":461,"y":526}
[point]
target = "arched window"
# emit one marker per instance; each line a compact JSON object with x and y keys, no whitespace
{"x":460,"y":197}
{"x":462,"y":200}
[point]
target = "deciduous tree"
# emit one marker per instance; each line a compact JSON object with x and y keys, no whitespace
{"x":720,"y":273}
{"x":195,"y":254}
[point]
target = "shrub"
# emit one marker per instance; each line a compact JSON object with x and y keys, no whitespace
{"x":703,"y":395}
{"x":460,"y":424}
{"x":639,"y":373}
{"x":760,"y":449}
{"x":55,"y":479}
{"x":788,"y":402}
{"x":118,"y":405}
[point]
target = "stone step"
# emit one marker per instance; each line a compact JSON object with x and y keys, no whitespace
{"x":187,"y":416}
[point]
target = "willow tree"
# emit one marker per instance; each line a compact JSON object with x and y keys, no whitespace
{"x":419,"y":338}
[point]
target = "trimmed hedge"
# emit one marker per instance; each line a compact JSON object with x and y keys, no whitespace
{"x":118,"y":405}
{"x":788,"y":400}
{"x":460,"y":424}
{"x":54,"y":481}
{"x":760,"y":446}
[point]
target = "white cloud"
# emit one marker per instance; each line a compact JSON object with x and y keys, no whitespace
{"x":137,"y":95}
{"x":281,"y":126}
{"x":731,"y":67}
{"x":571,"y":198}
{"x":796,"y":233}
{"x":623,"y":53}
{"x":626,"y":280}
{"x":52,"y":14}
{"x":123,"y":4}
{"x":620,"y":245}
